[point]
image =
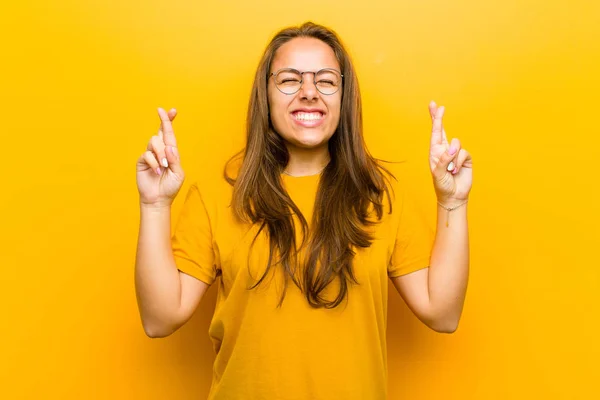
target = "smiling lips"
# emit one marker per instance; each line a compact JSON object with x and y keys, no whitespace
{"x":309,"y":119}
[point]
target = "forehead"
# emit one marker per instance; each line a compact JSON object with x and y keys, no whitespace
{"x":305,"y":54}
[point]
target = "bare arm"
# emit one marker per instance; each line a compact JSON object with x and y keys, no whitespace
{"x":166,"y":297}
{"x":436,"y":294}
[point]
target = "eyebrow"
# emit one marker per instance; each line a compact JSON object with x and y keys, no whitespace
{"x":307,"y":70}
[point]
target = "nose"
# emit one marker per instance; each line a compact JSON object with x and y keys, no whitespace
{"x":308,"y":90}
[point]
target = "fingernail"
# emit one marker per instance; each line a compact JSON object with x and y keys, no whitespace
{"x":157,"y":170}
{"x":455,"y":170}
{"x":175,"y":153}
{"x":165,"y":163}
{"x":452,"y":150}
{"x":450,"y":166}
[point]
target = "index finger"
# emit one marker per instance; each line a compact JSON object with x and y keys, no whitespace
{"x":167,"y":128}
{"x":432,"y":111}
{"x":172,"y":114}
{"x":437,"y":134}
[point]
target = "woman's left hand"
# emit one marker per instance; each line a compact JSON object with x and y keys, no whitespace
{"x":451,"y":166}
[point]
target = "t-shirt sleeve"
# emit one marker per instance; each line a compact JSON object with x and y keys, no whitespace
{"x":414,"y":239}
{"x":192,"y":240}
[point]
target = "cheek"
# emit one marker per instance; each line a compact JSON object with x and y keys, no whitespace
{"x":275,"y":101}
{"x":277,"y":111}
{"x":335,"y":109}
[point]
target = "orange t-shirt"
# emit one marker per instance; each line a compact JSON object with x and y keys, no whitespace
{"x":296,"y":351}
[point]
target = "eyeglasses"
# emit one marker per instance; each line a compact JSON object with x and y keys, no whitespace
{"x":289,"y":80}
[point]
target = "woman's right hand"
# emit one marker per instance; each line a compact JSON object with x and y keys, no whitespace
{"x":159,"y":173}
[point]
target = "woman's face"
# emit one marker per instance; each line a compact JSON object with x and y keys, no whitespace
{"x":307,"y":118}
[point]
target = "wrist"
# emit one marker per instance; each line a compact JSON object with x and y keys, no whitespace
{"x":451,"y":205}
{"x":450,"y":202}
{"x":155,"y":207}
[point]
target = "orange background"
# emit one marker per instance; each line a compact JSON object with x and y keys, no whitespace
{"x":81,"y":81}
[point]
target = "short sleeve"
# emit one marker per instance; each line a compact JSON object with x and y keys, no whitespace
{"x":192,"y":240}
{"x":414,"y":239}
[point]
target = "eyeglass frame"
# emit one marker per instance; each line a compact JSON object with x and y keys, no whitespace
{"x":302,"y":79}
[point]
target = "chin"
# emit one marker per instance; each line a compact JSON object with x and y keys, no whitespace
{"x":310,"y":138}
{"x":310,"y":142}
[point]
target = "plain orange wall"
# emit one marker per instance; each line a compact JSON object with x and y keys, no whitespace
{"x":81,"y":81}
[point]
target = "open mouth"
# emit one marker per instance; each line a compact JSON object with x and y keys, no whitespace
{"x":303,"y":116}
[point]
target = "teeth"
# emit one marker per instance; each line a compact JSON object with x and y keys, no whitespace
{"x":302,"y":116}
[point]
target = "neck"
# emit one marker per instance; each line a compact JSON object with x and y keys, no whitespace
{"x":304,"y":162}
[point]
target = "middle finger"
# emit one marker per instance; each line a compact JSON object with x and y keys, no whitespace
{"x":172,"y":114}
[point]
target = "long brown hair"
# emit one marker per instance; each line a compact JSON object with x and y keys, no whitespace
{"x":351,"y":187}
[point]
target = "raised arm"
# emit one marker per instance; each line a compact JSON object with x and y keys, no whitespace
{"x":166,"y":297}
{"x":436,"y":294}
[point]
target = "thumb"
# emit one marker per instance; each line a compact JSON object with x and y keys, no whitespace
{"x":173,"y":159}
{"x":443,"y":164}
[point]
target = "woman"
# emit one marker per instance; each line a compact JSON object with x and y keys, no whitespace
{"x":301,"y":310}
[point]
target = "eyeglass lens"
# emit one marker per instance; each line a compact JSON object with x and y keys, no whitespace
{"x":289,"y":81}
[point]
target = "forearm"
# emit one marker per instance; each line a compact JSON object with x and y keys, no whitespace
{"x":449,"y":267}
{"x":157,"y":281}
